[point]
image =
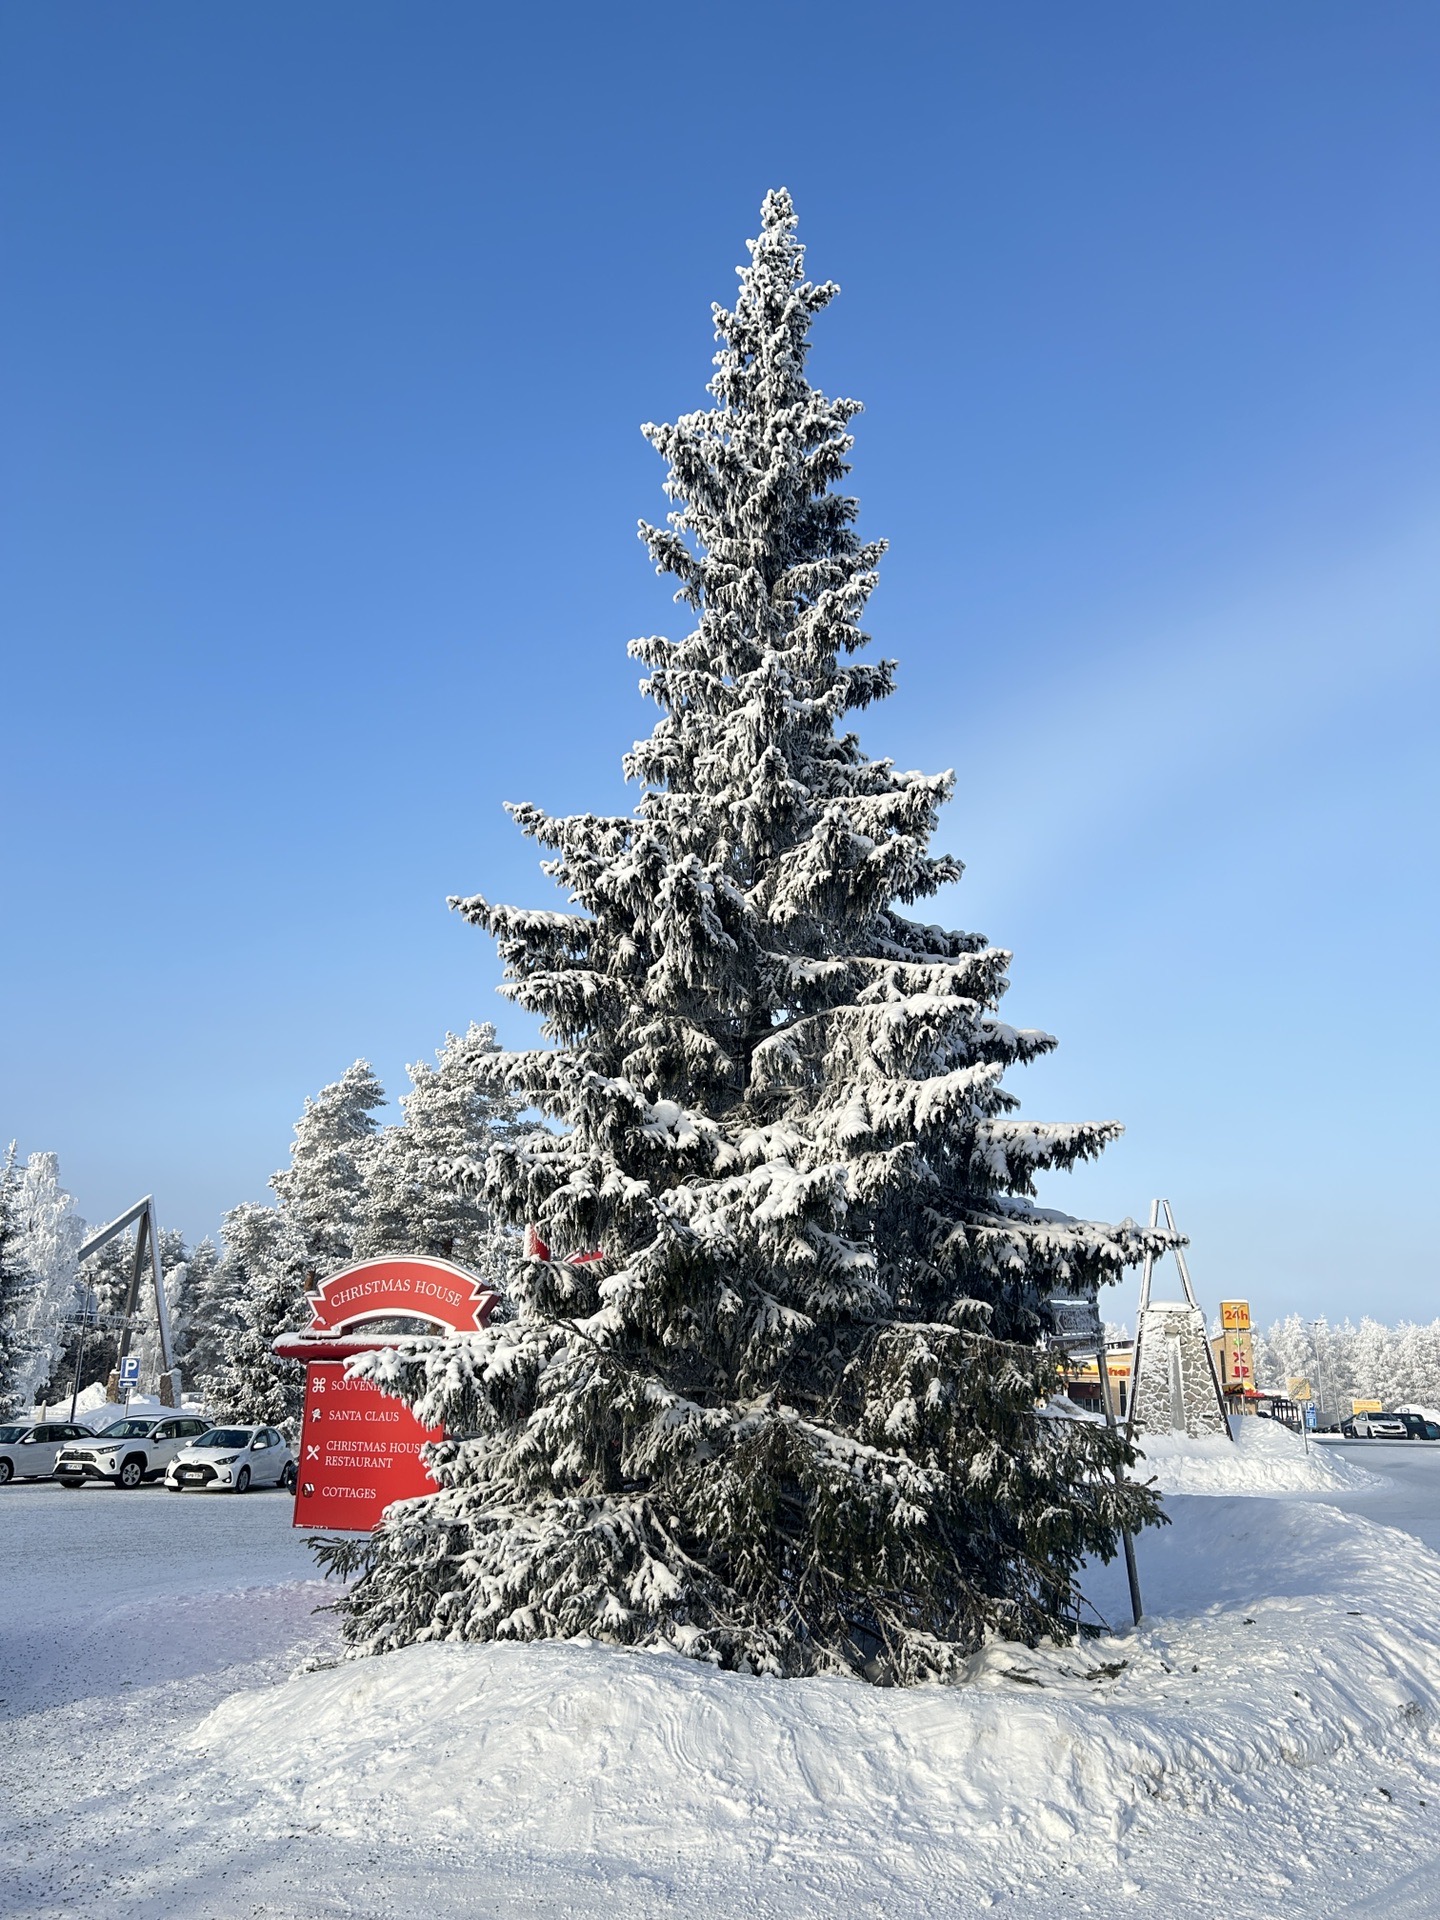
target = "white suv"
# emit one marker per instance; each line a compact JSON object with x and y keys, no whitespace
{"x":128,"y":1452}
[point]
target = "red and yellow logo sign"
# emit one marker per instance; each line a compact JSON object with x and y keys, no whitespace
{"x":1235,"y":1316}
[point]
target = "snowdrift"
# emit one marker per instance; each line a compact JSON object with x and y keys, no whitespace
{"x":93,"y":1409}
{"x":1265,"y":1458}
{"x":1283,"y":1633}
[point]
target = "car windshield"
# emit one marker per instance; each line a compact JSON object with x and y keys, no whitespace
{"x":127,"y":1430}
{"x":9,"y":1435}
{"x":224,"y":1437}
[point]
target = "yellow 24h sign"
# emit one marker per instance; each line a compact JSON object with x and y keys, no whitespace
{"x":1235,"y":1316}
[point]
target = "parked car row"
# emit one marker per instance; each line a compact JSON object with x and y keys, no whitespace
{"x":1389,"y":1426}
{"x":183,"y":1451}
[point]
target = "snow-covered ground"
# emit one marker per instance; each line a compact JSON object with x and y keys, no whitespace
{"x":1263,"y":1457}
{"x":1265,"y":1744}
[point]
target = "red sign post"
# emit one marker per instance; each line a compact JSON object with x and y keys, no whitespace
{"x":360,"y":1447}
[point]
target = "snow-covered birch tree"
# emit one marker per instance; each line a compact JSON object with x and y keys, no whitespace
{"x":15,"y":1286}
{"x":790,"y":1421}
{"x":51,"y":1234}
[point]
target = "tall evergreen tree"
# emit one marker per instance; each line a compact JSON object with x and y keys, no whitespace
{"x":788,"y":1423}
{"x":322,"y":1191}
{"x":249,"y":1383}
{"x":207,"y":1307}
{"x":422,"y":1193}
{"x":273,"y":1254}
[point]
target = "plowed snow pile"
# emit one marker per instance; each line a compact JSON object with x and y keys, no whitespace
{"x":1264,"y":1457}
{"x":1265,"y":1745}
{"x":602,"y":1774}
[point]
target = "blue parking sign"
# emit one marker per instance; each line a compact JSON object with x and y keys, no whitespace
{"x":130,"y":1370}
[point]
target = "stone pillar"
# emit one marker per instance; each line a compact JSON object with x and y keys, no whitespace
{"x":112,"y":1385}
{"x":1174,"y":1388}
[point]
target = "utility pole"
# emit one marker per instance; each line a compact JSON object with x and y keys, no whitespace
{"x":1319,"y":1363}
{"x":1103,"y":1362}
{"x":1076,"y":1329}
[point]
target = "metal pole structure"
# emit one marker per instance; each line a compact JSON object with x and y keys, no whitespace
{"x":79,"y":1363}
{"x":1129,"y":1545}
{"x":1319,"y":1368}
{"x":162,"y":1310}
{"x":1147,"y":1273}
{"x":132,"y":1295}
{"x":147,"y":1236}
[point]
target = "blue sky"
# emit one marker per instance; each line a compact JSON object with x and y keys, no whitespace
{"x":326,"y":337}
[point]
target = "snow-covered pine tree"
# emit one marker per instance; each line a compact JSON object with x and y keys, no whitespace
{"x":16,"y":1281}
{"x":422,"y":1177}
{"x":249,"y":1383}
{"x":790,"y":1423}
{"x":1417,"y":1364}
{"x":1285,"y":1351}
{"x":322,"y":1191}
{"x":272,"y":1254}
{"x":205,"y":1309}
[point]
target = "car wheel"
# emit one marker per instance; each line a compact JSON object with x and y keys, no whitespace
{"x":242,"y":1480}
{"x":7,"y":1472}
{"x":288,"y":1478}
{"x":130,"y":1475}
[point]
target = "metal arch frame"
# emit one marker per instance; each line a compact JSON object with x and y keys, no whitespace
{"x":1156,"y":1208}
{"x":147,"y":1238}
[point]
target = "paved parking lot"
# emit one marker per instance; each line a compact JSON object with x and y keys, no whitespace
{"x":1411,"y":1500}
{"x":98,"y":1589}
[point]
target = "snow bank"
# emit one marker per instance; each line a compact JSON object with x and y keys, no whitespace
{"x":93,"y":1409}
{"x":1284,"y":1633}
{"x":1264,"y":1458}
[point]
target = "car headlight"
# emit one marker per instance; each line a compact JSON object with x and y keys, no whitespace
{"x":227,"y":1459}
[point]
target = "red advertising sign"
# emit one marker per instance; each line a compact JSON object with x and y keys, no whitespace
{"x":359,"y":1450}
{"x":360,"y":1447}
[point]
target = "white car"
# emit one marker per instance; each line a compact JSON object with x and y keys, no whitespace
{"x":128,"y":1452}
{"x":231,"y":1460}
{"x":29,"y":1452}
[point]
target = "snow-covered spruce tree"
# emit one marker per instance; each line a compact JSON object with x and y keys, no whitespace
{"x":789,"y":1423}
{"x":204,"y":1310}
{"x":322,"y":1192}
{"x":261,"y":1259}
{"x":16,"y":1281}
{"x":273,"y":1254}
{"x":418,"y":1198}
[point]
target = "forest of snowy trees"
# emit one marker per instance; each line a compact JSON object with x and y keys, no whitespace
{"x":353,"y":1188}
{"x":1398,"y":1365}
